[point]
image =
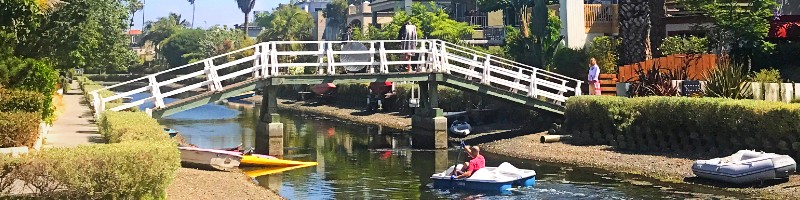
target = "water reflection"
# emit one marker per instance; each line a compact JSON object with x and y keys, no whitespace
{"x":373,"y":162}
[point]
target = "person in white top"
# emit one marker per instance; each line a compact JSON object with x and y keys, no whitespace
{"x":408,"y":35}
{"x":594,"y":74}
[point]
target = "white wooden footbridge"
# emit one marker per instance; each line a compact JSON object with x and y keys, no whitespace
{"x":313,"y":62}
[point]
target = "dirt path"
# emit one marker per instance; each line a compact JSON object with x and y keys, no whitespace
{"x":74,"y":126}
{"x":197,"y":184}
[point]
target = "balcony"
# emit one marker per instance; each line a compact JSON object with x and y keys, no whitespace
{"x":601,"y":18}
{"x":481,"y":21}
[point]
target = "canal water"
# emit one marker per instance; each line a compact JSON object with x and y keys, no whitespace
{"x":359,"y":161}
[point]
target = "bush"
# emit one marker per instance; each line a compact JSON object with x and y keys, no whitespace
{"x":33,"y":75}
{"x":128,"y":170}
{"x":21,"y":100}
{"x":572,"y":63}
{"x":767,"y":76}
{"x":129,"y":126}
{"x":715,"y":125}
{"x":604,"y":50}
{"x":684,"y":45}
{"x":19,"y":128}
{"x":728,"y":80}
{"x":88,"y":86}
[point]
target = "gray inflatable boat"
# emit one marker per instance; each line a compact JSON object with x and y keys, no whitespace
{"x":746,"y":166}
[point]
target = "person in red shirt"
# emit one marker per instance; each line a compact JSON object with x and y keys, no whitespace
{"x":477,"y":162}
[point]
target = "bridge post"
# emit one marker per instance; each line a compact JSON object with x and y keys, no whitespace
{"x":428,"y":123}
{"x":269,"y":132}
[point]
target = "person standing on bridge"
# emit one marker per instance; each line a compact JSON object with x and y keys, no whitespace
{"x":594,"y":81}
{"x":408,"y":35}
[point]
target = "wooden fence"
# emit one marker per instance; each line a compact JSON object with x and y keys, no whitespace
{"x":698,"y":66}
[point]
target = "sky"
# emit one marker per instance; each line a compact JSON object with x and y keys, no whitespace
{"x":207,"y":14}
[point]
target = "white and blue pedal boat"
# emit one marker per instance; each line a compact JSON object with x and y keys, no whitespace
{"x":489,"y":179}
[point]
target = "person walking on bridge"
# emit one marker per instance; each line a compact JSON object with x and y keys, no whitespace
{"x":408,"y":37}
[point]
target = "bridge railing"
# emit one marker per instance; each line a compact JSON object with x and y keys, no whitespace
{"x":508,"y":74}
{"x":287,"y":58}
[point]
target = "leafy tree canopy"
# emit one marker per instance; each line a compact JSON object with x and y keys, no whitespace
{"x":740,"y":26}
{"x":431,"y":21}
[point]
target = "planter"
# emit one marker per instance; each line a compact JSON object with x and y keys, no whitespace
{"x":622,"y":89}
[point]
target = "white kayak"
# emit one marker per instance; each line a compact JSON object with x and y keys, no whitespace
{"x":488,"y":179}
{"x":746,"y":166}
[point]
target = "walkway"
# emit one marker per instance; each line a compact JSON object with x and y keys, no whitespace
{"x":74,"y":127}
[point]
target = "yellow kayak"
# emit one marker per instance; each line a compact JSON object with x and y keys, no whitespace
{"x":273,"y":170}
{"x":269,"y":161}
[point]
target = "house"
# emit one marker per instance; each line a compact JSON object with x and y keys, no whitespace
{"x":135,"y":36}
{"x":489,"y":26}
{"x":787,"y":25}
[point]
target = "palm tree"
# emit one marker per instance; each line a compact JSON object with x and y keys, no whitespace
{"x":192,"y":2}
{"x":246,"y":6}
{"x":133,"y":7}
{"x":634,"y":28}
{"x":174,"y":17}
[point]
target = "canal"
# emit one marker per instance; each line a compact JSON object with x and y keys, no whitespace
{"x":359,"y":161}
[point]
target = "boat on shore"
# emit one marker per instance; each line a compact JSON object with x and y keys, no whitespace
{"x":210,"y":158}
{"x":488,"y":179}
{"x":746,"y":166}
{"x":460,"y":128}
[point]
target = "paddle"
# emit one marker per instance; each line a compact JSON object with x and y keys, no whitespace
{"x":456,"y":164}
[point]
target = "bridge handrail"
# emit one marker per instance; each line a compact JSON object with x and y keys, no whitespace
{"x":514,"y":62}
{"x":180,"y":67}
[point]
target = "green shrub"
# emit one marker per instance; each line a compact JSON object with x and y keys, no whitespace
{"x":19,"y":128}
{"x":87,"y":86}
{"x":572,"y":63}
{"x":128,"y":170}
{"x":728,"y":80}
{"x":604,"y":50}
{"x":21,"y":100}
{"x":767,"y":76}
{"x":32,"y":75}
{"x":714,"y":125}
{"x":129,"y":126}
{"x":684,"y":45}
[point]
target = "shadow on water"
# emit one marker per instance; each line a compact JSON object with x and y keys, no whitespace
{"x":372,"y":162}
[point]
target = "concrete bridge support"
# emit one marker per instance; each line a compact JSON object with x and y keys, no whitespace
{"x":428,"y":124}
{"x":269,"y":133}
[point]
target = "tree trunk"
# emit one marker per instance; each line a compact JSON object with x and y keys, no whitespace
{"x":192,"y":15}
{"x":634,"y":20}
{"x":658,"y":32}
{"x":246,"y":19}
{"x":524,"y":20}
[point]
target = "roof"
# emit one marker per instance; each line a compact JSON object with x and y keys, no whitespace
{"x":135,"y":32}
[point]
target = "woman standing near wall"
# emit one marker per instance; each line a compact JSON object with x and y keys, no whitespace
{"x":594,"y":82}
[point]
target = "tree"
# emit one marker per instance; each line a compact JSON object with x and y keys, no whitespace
{"x":737,"y":28}
{"x":163,"y":28}
{"x":184,"y":42}
{"x":519,"y":8}
{"x":86,"y":34}
{"x":634,"y":21}
{"x":658,"y":30}
{"x":286,"y":23}
{"x":246,"y":6}
{"x":336,"y":13}
{"x":133,"y":7}
{"x":535,"y":50}
{"x":432,"y":22}
{"x":193,"y":7}
{"x":604,"y":50}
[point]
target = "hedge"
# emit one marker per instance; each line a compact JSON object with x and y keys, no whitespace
{"x":21,"y":100}
{"x":684,"y":124}
{"x":128,"y":170}
{"x":88,"y":86}
{"x":19,"y":128}
{"x":129,"y":126}
{"x":140,"y":162}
